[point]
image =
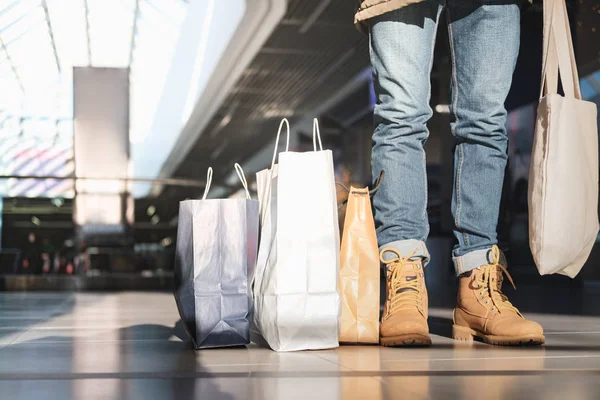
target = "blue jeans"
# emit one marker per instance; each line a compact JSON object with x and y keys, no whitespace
{"x":484,"y":44}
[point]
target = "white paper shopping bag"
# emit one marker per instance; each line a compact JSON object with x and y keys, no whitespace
{"x":563,"y":184}
{"x":296,"y":296}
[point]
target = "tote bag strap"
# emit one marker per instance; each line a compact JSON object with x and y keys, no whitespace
{"x":558,"y":53}
{"x":240,"y":172}
{"x":209,"y":175}
{"x":565,"y":50}
{"x":549,"y":83}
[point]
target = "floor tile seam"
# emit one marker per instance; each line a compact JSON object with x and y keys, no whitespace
{"x":79,"y":341}
{"x":14,"y":339}
{"x":176,"y":375}
{"x":12,"y":328}
{"x":491,"y":358}
{"x":57,"y":328}
{"x":77,"y":328}
{"x":343,"y":366}
{"x":387,"y":382}
{"x":103,"y":316}
{"x":331,"y":361}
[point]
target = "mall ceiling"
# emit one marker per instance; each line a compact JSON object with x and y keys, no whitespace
{"x":314,"y":51}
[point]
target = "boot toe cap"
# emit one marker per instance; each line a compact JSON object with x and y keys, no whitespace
{"x":520,"y":327}
{"x":404,"y":326}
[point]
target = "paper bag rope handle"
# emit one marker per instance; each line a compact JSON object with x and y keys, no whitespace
{"x":371,"y":192}
{"x":240,"y":173}
{"x":316,"y":138}
{"x":317,"y":135}
{"x":209,"y":175}
{"x":284,"y":122}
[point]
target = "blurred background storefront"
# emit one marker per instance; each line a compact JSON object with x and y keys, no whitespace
{"x":112,"y":110}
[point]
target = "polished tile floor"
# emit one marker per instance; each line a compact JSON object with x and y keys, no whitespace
{"x":129,"y":346}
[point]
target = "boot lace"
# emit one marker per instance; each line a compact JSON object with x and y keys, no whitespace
{"x":402,"y":294}
{"x":490,"y":284}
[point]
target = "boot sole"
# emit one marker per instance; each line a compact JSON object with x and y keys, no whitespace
{"x":410,"y":340}
{"x":468,"y":335}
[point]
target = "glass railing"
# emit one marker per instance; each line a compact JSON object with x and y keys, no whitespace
{"x":46,"y":236}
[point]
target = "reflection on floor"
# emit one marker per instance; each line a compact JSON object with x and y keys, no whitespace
{"x":129,"y":346}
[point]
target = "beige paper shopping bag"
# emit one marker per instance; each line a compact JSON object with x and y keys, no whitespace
{"x":563,"y":184}
{"x":359,"y":272}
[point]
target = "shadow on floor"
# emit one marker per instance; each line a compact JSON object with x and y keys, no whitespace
{"x":443,"y":327}
{"x":161,"y":356}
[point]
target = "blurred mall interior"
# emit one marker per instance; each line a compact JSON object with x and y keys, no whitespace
{"x":111,"y":111}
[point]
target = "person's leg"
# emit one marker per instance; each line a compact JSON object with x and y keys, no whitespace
{"x":484,"y":38}
{"x":484,"y":42}
{"x":401,"y":46}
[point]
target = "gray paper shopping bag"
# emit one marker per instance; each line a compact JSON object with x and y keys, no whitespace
{"x":217,"y":242}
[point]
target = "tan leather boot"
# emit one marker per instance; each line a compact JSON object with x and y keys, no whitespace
{"x":404,"y":321}
{"x":483,"y":311}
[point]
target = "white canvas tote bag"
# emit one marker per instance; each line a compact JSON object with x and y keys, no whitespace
{"x":296,"y":296}
{"x":563,"y":183}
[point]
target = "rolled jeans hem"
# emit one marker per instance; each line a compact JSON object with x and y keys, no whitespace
{"x":405,"y":248}
{"x":474,"y":259}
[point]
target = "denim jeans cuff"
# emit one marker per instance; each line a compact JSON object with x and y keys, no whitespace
{"x":474,"y":259}
{"x":405,"y":247}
